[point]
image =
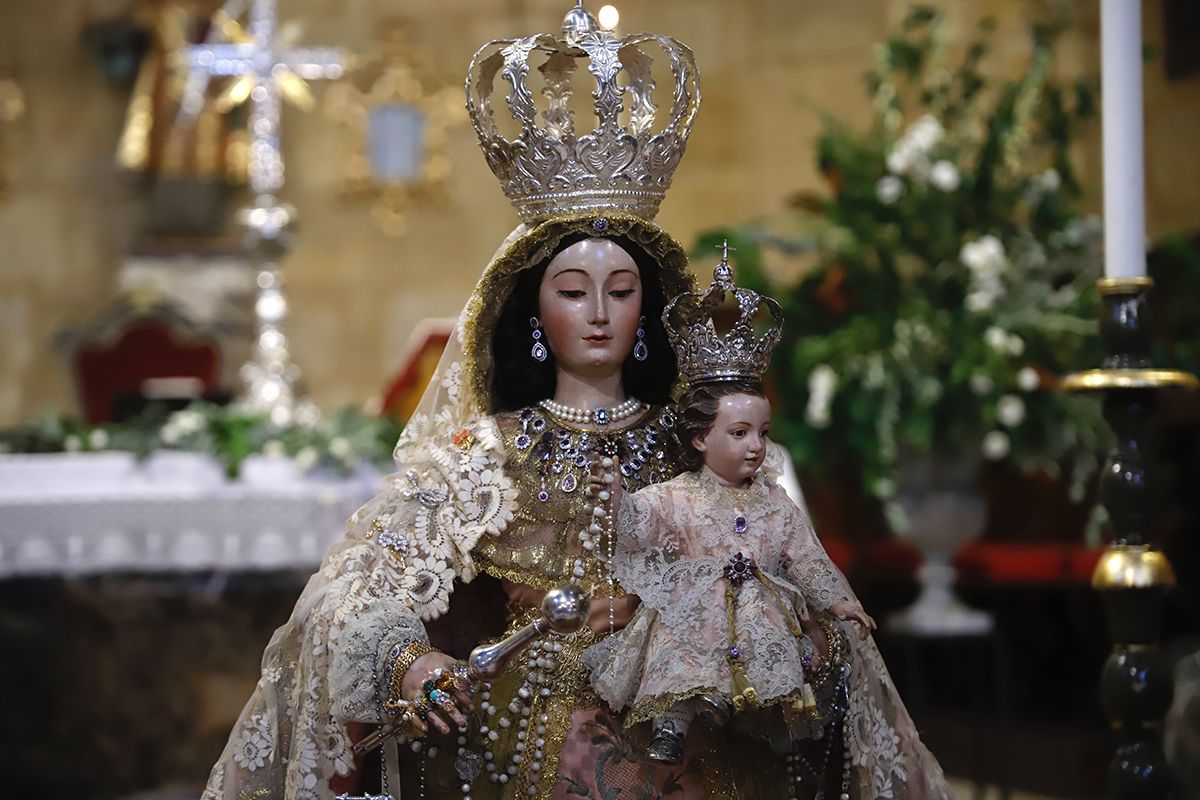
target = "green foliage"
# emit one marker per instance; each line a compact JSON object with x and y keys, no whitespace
{"x":954,"y":275}
{"x":338,"y":442}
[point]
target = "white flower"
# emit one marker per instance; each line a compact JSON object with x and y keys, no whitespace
{"x":980,"y":301}
{"x":72,"y":443}
{"x":339,"y":447}
{"x":1015,"y":345}
{"x":996,"y":338}
{"x":996,"y":445}
{"x":925,"y":133}
{"x":306,"y":459}
{"x":899,"y":160}
{"x":985,"y":255}
{"x":98,"y":439}
{"x":980,"y":384}
{"x":817,"y":415}
{"x":910,"y":154}
{"x":169,"y":434}
{"x":1049,"y":181}
{"x":1027,"y":379}
{"x":273,"y":448}
{"x":944,"y":175}
{"x":1010,"y":410}
{"x":874,"y":376}
{"x":889,"y":189}
{"x":187,"y":422}
{"x":883,"y":488}
{"x":822,"y":380}
{"x":822,"y":383}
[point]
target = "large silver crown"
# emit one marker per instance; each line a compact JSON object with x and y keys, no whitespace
{"x":694,"y":327}
{"x":552,"y":166}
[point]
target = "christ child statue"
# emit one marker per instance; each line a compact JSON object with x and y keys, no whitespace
{"x":730,"y":575}
{"x":735,"y":588}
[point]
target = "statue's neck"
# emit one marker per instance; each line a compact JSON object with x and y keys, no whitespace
{"x":589,"y":393}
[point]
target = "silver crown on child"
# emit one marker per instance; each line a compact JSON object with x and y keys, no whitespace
{"x":550,"y":168}
{"x":704,"y":354}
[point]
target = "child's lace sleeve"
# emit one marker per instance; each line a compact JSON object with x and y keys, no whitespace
{"x":644,"y":546}
{"x":809,"y":566}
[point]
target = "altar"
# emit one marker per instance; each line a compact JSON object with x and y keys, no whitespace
{"x":75,"y":514}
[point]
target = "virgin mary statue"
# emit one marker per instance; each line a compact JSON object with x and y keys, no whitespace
{"x":556,"y":383}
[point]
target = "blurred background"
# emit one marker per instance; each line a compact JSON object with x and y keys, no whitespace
{"x":919,"y":185}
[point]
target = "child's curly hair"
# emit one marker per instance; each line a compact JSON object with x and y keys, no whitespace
{"x":698,"y":408}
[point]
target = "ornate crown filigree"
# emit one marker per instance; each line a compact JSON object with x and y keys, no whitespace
{"x":704,"y":353}
{"x":621,"y":164}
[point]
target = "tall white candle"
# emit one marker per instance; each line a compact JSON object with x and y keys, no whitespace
{"x":1121,"y":107}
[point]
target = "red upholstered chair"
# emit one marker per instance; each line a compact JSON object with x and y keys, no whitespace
{"x":421,"y":355}
{"x":113,"y":360}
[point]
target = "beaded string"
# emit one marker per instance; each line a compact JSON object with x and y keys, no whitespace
{"x":600,"y":533}
{"x":531,"y":728}
{"x":839,"y":706}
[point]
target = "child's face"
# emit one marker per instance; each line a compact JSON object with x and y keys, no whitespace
{"x":734,"y":448}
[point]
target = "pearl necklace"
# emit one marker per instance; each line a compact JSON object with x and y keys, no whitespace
{"x":593,"y":416}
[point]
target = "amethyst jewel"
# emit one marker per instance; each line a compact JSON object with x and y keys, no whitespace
{"x":740,"y":568}
{"x":739,"y":523}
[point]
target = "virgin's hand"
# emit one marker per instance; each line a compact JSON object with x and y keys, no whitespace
{"x":597,"y":483}
{"x":847,"y":610}
{"x":412,"y":689}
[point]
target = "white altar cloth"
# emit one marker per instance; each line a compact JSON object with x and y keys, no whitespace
{"x":91,"y":513}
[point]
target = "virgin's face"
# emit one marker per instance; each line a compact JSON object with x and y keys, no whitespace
{"x":589,"y":302}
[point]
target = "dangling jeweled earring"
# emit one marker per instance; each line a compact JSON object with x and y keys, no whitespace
{"x":539,"y":350}
{"x":640,"y":351}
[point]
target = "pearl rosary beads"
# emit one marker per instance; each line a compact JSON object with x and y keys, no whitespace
{"x":531,"y":732}
{"x":599,"y":532}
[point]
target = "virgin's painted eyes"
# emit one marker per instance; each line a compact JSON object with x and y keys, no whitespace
{"x":621,"y":293}
{"x":571,"y":294}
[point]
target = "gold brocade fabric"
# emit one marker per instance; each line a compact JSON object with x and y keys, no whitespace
{"x":541,"y":547}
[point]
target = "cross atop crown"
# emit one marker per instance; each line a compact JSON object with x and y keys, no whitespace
{"x":707,"y":354}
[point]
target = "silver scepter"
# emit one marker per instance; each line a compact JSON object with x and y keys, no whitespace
{"x":564,"y":611}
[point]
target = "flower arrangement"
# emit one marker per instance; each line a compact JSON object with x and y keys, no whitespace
{"x":339,"y":442}
{"x":950,"y":274}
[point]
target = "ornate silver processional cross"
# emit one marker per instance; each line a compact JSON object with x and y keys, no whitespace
{"x":266,"y":64}
{"x":269,"y":377}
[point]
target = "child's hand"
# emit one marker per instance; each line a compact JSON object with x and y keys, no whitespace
{"x":848,"y":610}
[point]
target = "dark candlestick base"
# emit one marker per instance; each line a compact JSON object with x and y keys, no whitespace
{"x":1135,"y":684}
